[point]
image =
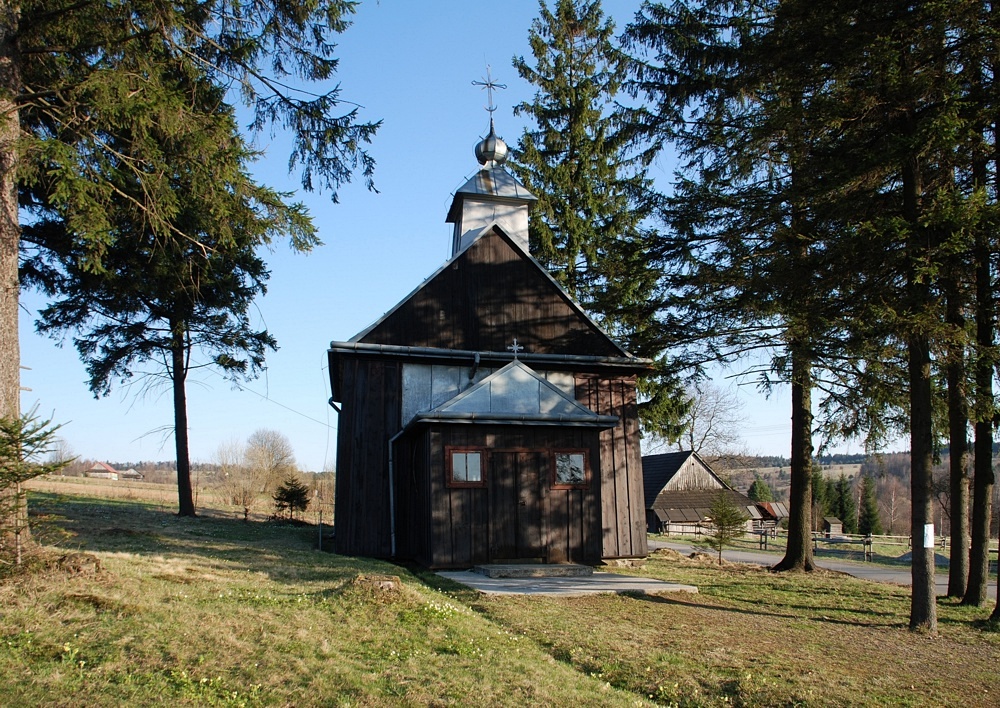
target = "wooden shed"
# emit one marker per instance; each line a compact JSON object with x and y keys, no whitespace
{"x":679,"y":490}
{"x":486,"y":417}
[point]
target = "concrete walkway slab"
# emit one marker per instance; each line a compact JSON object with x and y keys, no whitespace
{"x":594,"y":584}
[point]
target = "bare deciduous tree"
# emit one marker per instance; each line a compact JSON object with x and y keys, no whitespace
{"x":238,"y":484}
{"x":894,"y":503}
{"x":712,"y":425}
{"x":250,"y":471}
{"x":271,"y":454}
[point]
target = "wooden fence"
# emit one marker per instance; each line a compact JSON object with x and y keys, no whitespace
{"x":779,"y":539}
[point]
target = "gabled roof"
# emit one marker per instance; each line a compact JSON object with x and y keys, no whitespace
{"x":659,"y":470}
{"x":102,"y":467}
{"x":515,"y":394}
{"x":492,"y":275}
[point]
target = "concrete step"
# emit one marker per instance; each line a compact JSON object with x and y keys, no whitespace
{"x":533,"y":570}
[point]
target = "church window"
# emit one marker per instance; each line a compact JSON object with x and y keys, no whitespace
{"x":569,"y":469}
{"x":466,"y":468}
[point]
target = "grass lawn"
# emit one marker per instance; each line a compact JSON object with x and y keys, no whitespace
{"x":215,"y":611}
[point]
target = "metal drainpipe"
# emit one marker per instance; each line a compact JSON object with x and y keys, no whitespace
{"x":392,"y":496}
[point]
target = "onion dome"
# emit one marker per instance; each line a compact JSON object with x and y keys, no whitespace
{"x":491,"y":149}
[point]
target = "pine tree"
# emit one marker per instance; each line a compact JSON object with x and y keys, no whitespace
{"x":590,"y":226}
{"x":77,"y":77}
{"x":844,"y":507}
{"x":728,"y":522}
{"x":857,"y":121}
{"x":760,"y":491}
{"x":870,"y":522}
{"x":291,"y":497}
{"x":171,"y":303}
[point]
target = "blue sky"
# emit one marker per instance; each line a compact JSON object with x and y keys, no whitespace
{"x":413,"y":69}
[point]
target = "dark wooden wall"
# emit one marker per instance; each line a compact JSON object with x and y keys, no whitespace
{"x":474,"y":525}
{"x":622,"y":502}
{"x":370,"y":410}
{"x":413,"y":497}
{"x":488,"y":296}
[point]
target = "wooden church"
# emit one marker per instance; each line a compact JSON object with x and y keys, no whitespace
{"x":486,"y":418}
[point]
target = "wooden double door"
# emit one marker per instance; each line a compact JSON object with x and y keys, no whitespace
{"x":517,"y":482}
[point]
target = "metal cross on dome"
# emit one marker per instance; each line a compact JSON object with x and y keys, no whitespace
{"x":490,"y":85}
{"x":515,"y":347}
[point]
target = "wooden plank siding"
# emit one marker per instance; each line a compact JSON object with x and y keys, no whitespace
{"x":369,"y":417}
{"x":481,"y":301}
{"x":472,"y":525}
{"x":622,"y":503}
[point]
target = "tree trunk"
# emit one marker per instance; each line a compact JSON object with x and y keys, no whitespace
{"x":798,"y":552}
{"x":985,"y":410}
{"x":983,"y":478}
{"x":958,"y":442}
{"x":995,"y":617}
{"x":179,"y":374}
{"x":923,"y":603}
{"x":13,"y":524}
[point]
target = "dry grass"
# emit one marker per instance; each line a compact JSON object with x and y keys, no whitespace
{"x":214,"y":611}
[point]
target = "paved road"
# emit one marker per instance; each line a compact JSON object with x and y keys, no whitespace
{"x":867,"y":571}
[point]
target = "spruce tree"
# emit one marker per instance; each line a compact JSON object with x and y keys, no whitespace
{"x":760,"y":491}
{"x":76,"y":77}
{"x":591,"y":224}
{"x":820,"y":498}
{"x":728,"y":522}
{"x":844,"y":506}
{"x":728,"y":90}
{"x":873,"y":132}
{"x":870,"y":522}
{"x":169,"y":304}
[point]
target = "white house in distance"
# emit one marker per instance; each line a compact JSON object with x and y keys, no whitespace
{"x":102,"y":470}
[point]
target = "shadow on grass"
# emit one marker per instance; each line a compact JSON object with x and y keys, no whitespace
{"x":282,"y":551}
{"x":670,"y":600}
{"x":865,"y":617}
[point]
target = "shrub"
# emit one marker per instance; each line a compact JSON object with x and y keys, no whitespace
{"x":290,"y":498}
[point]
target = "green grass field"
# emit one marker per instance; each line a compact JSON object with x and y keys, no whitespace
{"x":215,"y":611}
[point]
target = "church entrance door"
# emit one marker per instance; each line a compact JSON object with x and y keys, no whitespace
{"x":516,"y":481}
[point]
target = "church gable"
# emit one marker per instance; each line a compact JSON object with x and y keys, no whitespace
{"x":484,"y":298}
